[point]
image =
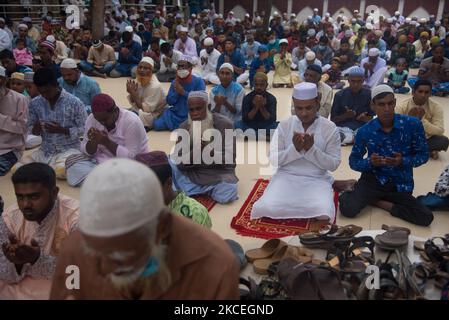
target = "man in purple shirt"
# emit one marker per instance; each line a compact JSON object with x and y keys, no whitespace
{"x":186,"y":45}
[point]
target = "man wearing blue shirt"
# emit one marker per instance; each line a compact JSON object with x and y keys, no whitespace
{"x":395,"y":145}
{"x":78,"y":84}
{"x":130,"y":54}
{"x":233,"y":56}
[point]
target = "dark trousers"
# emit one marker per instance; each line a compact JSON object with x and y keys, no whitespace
{"x":368,"y":191}
{"x":7,"y":161}
{"x":438,"y":143}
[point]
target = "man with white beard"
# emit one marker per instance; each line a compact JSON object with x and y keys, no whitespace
{"x":130,"y":246}
{"x":203,"y":161}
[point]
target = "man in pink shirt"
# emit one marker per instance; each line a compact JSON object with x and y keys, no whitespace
{"x":13,"y":125}
{"x":110,"y":132}
{"x":31,"y":233}
{"x":186,"y":45}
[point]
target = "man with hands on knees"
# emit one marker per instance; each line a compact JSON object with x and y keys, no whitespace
{"x":395,"y":145}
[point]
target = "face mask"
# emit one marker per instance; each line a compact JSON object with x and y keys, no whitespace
{"x":183,"y":73}
{"x":272,"y":41}
{"x":151,"y":268}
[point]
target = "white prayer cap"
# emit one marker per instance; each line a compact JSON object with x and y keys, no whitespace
{"x":348,"y":33}
{"x":199,"y":94}
{"x":51,"y":38}
{"x":178,"y":15}
{"x":76,"y":25}
{"x":208,"y":42}
{"x":305,"y":91}
{"x":247,"y":15}
{"x":438,"y":23}
{"x":311,"y":32}
{"x":2,"y":20}
{"x":293,"y":15}
{"x":119,"y":196}
{"x":327,"y":14}
{"x":310,"y":56}
{"x":231,"y":12}
{"x":283,"y":41}
{"x":187,"y":58}
{"x":2,"y":72}
{"x":422,"y":20}
{"x":389,"y":20}
{"x":133,"y":17}
{"x":227,"y":66}
{"x":414,"y":23}
{"x":315,"y":10}
{"x":220,"y":16}
{"x":309,"y":18}
{"x":353,"y":20}
{"x":383,"y":88}
{"x":369,"y":26}
{"x":397,"y":13}
{"x":22,"y":26}
{"x":276,"y":14}
{"x":68,"y":64}
{"x":356,"y":11}
{"x":183,"y":29}
{"x":373,"y":52}
{"x":408,"y":20}
{"x":27,"y":19}
{"x":193,"y":15}
{"x":129,"y":29}
{"x":148,"y":60}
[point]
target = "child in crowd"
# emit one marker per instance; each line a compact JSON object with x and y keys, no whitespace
{"x":22,"y":54}
{"x":334,"y":75}
{"x":397,"y":77}
{"x":282,"y":63}
{"x":17,"y":83}
{"x":259,"y":64}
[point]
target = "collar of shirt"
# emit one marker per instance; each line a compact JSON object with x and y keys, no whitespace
{"x":396,"y":124}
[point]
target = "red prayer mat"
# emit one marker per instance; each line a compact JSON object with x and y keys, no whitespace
{"x":205,"y":200}
{"x":267,"y":228}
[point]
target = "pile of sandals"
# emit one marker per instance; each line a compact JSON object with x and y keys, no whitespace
{"x":292,"y":272}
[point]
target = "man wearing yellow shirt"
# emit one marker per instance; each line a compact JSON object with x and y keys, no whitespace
{"x":358,"y":43}
{"x":430,"y":113}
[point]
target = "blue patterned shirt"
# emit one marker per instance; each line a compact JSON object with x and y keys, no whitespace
{"x":69,"y":112}
{"x":85,"y":89}
{"x":407,"y":137}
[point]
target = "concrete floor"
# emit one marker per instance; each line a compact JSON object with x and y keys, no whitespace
{"x":370,"y":218}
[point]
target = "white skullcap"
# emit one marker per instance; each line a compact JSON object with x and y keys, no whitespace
{"x":119,"y":196}
{"x":227,"y":66}
{"x":348,"y":33}
{"x":353,"y":20}
{"x":373,"y":52}
{"x":2,"y":20}
{"x":27,"y":19}
{"x":389,"y":20}
{"x":231,"y":12}
{"x":438,"y":23}
{"x":309,"y":18}
{"x":408,"y":19}
{"x":247,"y":15}
{"x":283,"y":41}
{"x":199,"y":94}
{"x":276,"y":14}
{"x":310,"y":56}
{"x":148,"y":60}
{"x":187,"y":58}
{"x":316,"y":9}
{"x":397,"y":13}
{"x":220,"y":16}
{"x":68,"y":64}
{"x":183,"y":29}
{"x":369,"y":26}
{"x":193,"y":15}
{"x":414,"y":23}
{"x":51,"y":38}
{"x":383,"y":88}
{"x":293,"y":15}
{"x":356,"y":11}
{"x":311,"y":32}
{"x":22,"y":26}
{"x":76,"y":25}
{"x":208,"y":42}
{"x":2,"y":72}
{"x":129,"y":29}
{"x":305,"y":91}
{"x":327,"y":14}
{"x":422,"y":20}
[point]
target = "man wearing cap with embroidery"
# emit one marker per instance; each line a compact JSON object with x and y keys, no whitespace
{"x":208,"y":60}
{"x":186,"y":45}
{"x":227,"y":97}
{"x":146,"y":96}
{"x":375,"y":68}
{"x":130,"y":54}
{"x":282,"y":66}
{"x":100,"y":60}
{"x":403,"y":49}
{"x":146,"y":252}
{"x":202,"y":164}
{"x":309,"y":59}
{"x":46,"y":51}
{"x":31,"y":233}
{"x":422,"y":46}
{"x":178,"y":202}
{"x":58,"y":117}
{"x":351,"y":108}
{"x":110,"y":132}
{"x":33,"y":33}
{"x":169,"y":59}
{"x":233,"y":56}
{"x":395,"y":144}
{"x":179,"y":90}
{"x":61,"y":50}
{"x":22,"y":33}
{"x":75,"y":82}
{"x":305,"y":148}
{"x":13,"y":125}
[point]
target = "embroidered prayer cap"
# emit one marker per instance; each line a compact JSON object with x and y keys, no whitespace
{"x":305,"y":91}
{"x":373,"y":52}
{"x":408,"y":20}
{"x":283,"y":41}
{"x":129,"y":29}
{"x":183,"y":29}
{"x":148,"y":60}
{"x":227,"y":66}
{"x":28,"y":76}
{"x":315,"y":67}
{"x":2,"y":72}
{"x":208,"y":42}
{"x":397,"y":13}
{"x":437,"y":23}
{"x":187,"y":58}
{"x":261,"y":75}
{"x":382,"y":88}
{"x":424,"y":34}
{"x":356,"y":72}
{"x":48,"y":44}
{"x":26,"y":19}
{"x":310,"y":56}
{"x":119,"y":196}
{"x":18,"y":76}
{"x":199,"y":94}
{"x":311,"y":32}
{"x":68,"y":64}
{"x":51,"y":38}
{"x":369,"y":26}
{"x":96,"y":43}
{"x":153,"y":158}
{"x":348,"y":33}
{"x":22,"y":26}
{"x":102,"y":103}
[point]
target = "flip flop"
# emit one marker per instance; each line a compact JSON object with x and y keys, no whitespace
{"x":394,"y":237}
{"x":266,"y":251}
{"x":261,"y":266}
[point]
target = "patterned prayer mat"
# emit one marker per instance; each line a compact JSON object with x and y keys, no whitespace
{"x":267,"y":228}
{"x":205,"y":200}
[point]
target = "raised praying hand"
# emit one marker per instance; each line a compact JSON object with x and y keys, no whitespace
{"x":19,"y":253}
{"x":131,"y":87}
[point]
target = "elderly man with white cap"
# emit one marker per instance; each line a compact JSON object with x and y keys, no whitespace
{"x":395,"y":144}
{"x":438,"y":30}
{"x":309,"y":59}
{"x":227,"y":97}
{"x":146,"y":252}
{"x":146,"y":95}
{"x":202,"y":164}
{"x":186,"y":45}
{"x":375,"y":68}
{"x":305,"y":148}
{"x":22,"y":33}
{"x":316,"y":18}
{"x":75,"y":82}
{"x":100,"y":60}
{"x":209,"y":60}
{"x":179,"y":90}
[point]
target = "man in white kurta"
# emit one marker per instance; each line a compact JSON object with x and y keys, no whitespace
{"x":305,"y":148}
{"x":209,"y":59}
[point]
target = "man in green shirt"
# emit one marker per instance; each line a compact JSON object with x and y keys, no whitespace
{"x":178,"y":202}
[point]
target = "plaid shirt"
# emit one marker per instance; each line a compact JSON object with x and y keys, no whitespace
{"x":69,"y":112}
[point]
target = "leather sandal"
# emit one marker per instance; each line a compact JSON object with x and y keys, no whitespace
{"x":261,"y":266}
{"x":266,"y":251}
{"x":328,"y":234}
{"x":394,"y":237}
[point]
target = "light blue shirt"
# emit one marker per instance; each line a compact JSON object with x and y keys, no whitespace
{"x":250,"y":52}
{"x":85,"y":89}
{"x":303,"y":66}
{"x":234,"y":94}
